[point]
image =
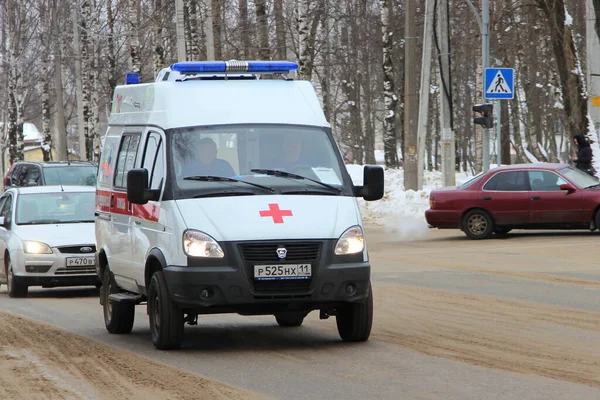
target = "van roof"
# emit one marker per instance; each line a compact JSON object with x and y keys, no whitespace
{"x":169,"y":104}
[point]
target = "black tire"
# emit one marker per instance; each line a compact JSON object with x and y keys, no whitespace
{"x":354,"y":320}
{"x":502,"y":231}
{"x":477,"y":224}
{"x":118,"y":317}
{"x":14,"y":288}
{"x":166,"y":320}
{"x":291,"y":318}
{"x":98,"y":285}
{"x":597,"y":219}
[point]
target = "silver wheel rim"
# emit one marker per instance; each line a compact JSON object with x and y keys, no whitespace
{"x":477,"y":224}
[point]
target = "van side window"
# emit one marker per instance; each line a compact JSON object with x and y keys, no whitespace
{"x":109,"y":152}
{"x":154,"y":160}
{"x":126,"y":158}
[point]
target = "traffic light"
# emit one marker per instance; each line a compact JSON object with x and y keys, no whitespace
{"x":487,"y":115}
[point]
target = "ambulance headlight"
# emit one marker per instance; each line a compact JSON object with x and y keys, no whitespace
{"x":351,"y":242}
{"x":199,"y":244}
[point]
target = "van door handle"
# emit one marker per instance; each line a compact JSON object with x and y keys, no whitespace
{"x":535,"y":197}
{"x":487,"y":198}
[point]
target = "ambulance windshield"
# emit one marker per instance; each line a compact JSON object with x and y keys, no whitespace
{"x":275,"y":156}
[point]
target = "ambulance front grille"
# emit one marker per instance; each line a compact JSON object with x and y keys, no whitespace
{"x":266,"y":253}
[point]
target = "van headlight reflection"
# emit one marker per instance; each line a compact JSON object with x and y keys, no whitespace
{"x":352,"y":241}
{"x":199,"y":244}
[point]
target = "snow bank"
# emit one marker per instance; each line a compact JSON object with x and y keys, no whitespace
{"x":401,"y":212}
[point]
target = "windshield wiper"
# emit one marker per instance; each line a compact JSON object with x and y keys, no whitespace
{"x":591,"y":186}
{"x":284,"y":174}
{"x":79,"y":221}
{"x":41,"y":222}
{"x":211,"y":178}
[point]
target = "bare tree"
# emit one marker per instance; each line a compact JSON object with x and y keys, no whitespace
{"x":264,"y":51}
{"x":389,"y":95}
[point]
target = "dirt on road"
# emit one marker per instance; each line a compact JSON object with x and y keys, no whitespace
{"x":495,"y":333}
{"x":40,"y":361}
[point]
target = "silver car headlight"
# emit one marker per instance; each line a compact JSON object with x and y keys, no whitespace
{"x":352,"y":241}
{"x":33,"y":247}
{"x":199,"y":244}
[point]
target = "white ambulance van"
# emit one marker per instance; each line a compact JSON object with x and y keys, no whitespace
{"x":220,"y":191}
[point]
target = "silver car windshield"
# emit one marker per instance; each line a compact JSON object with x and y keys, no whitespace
{"x":259,"y":154}
{"x":579,"y":178}
{"x":55,"y":208}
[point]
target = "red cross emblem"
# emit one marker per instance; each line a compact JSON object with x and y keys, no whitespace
{"x":275,"y":213}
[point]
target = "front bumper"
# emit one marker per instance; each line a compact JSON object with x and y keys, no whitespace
{"x":51,"y":270}
{"x":231,"y":288}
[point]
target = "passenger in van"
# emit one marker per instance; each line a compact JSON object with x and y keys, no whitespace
{"x":207,"y":162}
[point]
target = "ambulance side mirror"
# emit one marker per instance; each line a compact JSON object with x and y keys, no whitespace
{"x":137,"y":187}
{"x":372,"y":188}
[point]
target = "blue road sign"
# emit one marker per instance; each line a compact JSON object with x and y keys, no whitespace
{"x":499,"y":83}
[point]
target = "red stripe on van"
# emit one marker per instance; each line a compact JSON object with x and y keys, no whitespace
{"x":117,"y":203}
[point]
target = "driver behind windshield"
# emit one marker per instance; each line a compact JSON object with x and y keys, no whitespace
{"x":206,"y":162}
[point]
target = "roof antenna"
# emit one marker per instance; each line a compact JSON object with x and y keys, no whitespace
{"x":62,"y":189}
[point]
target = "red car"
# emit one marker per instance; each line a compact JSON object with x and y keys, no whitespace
{"x":523,"y":196}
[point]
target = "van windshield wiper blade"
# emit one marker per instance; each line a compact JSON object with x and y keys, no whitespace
{"x":284,"y":174}
{"x":592,"y":186}
{"x":212,"y":178}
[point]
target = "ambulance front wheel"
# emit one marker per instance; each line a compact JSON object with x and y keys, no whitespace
{"x":118,"y":317}
{"x":166,"y":320}
{"x":354,"y":320}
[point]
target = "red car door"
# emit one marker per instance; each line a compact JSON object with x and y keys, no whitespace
{"x":549,"y":204}
{"x":507,"y":198}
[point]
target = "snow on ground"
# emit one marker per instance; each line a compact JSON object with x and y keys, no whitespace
{"x":401,"y":212}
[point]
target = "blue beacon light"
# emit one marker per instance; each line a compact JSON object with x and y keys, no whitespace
{"x":197,"y":67}
{"x":132,"y":78}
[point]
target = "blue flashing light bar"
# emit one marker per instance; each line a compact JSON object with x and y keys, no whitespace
{"x":132,"y":78}
{"x":200,"y":67}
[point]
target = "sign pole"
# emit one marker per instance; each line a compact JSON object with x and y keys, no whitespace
{"x":485,"y":49}
{"x":498,"y":134}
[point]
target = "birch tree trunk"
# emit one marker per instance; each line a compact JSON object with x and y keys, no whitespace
{"x":158,"y":41}
{"x":111,"y":56}
{"x":303,"y":33}
{"x":134,"y":42}
{"x":217,"y":29}
{"x":15,"y":85}
{"x":281,"y":49}
{"x":574,"y":95}
{"x":192,"y":17}
{"x":264,"y":52}
{"x":48,"y":23}
{"x":245,"y":34}
{"x":389,"y":97}
{"x":86,"y":18}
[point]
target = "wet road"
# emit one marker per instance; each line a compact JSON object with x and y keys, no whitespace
{"x":509,"y":318}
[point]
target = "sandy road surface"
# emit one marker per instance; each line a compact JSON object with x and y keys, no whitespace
{"x":40,"y":361}
{"x":517,"y":318}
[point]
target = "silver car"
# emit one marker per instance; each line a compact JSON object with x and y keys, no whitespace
{"x":47,"y":238}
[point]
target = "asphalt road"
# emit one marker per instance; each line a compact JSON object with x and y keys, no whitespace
{"x":512,"y":318}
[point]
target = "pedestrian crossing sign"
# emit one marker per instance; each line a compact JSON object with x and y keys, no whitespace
{"x":499,"y":83}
